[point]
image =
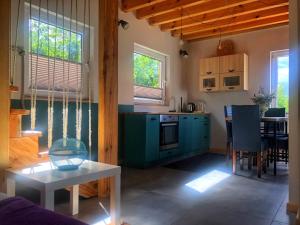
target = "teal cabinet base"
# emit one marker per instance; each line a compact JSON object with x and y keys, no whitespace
{"x":141,"y":136}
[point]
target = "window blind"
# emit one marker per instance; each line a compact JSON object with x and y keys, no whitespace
{"x":65,"y":71}
{"x":148,"y":93}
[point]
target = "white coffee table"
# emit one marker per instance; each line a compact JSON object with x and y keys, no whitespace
{"x":46,"y":178}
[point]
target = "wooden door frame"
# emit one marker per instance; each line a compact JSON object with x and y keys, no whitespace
{"x":4,"y":88}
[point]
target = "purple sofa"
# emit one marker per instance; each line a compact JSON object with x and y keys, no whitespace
{"x":18,"y":211}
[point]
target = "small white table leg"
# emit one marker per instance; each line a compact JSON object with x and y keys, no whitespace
{"x":10,"y":187}
{"x":115,"y":195}
{"x":47,"y":200}
{"x":74,"y":199}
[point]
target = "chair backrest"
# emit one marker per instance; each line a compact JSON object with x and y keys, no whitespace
{"x":275,"y":112}
{"x":246,"y":128}
{"x":228,"y":113}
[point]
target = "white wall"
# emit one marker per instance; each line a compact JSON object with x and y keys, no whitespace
{"x":142,"y":33}
{"x":258,"y":46}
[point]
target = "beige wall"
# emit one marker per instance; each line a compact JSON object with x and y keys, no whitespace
{"x":258,"y":46}
{"x":141,"y":33}
{"x":294,"y":154}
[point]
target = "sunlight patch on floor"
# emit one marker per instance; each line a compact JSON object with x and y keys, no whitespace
{"x":207,"y":181}
{"x":106,"y":221}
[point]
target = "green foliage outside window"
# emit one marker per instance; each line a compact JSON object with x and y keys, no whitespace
{"x":146,"y":71}
{"x":66,"y":41}
{"x":282,"y":97}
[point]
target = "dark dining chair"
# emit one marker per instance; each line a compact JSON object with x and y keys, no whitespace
{"x":281,"y":152}
{"x":228,"y":113}
{"x":246,"y":134}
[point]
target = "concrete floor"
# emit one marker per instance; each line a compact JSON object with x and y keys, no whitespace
{"x":159,"y":196}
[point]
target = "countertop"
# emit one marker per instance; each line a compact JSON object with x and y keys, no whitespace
{"x":167,"y":113}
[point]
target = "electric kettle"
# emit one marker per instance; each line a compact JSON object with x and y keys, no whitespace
{"x":190,"y":107}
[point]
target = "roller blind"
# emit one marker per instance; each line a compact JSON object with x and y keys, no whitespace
{"x":65,"y":72}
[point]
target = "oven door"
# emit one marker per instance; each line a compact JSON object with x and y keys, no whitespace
{"x":168,"y":135}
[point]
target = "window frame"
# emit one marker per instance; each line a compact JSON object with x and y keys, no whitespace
{"x":274,"y":72}
{"x":163,"y":58}
{"x":41,"y":94}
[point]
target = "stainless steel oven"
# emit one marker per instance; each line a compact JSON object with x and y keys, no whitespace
{"x":169,"y":138}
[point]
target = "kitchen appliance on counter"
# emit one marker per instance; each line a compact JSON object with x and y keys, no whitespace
{"x":201,"y":107}
{"x":169,"y":132}
{"x":190,"y":107}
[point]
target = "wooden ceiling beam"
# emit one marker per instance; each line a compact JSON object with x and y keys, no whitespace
{"x":165,"y":7}
{"x":256,"y":16}
{"x":131,"y":5}
{"x":223,"y":14}
{"x":240,"y":32}
{"x":188,"y":12}
{"x":283,"y":19}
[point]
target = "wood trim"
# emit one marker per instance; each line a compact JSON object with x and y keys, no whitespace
{"x":4,"y":87}
{"x":108,"y":88}
{"x":292,"y":207}
{"x":131,"y":5}
{"x":236,"y":11}
{"x":266,"y":23}
{"x":208,"y":7}
{"x":251,"y":17}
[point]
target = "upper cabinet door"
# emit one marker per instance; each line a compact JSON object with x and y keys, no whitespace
{"x":233,"y":63}
{"x":209,"y":66}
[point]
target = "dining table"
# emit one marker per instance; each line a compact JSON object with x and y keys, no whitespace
{"x":275,"y":123}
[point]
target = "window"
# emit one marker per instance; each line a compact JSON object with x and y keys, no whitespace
{"x":61,"y":57}
{"x":280,"y":78}
{"x":149,"y":75}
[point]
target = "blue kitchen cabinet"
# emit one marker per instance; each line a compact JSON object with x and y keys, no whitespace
{"x":194,"y":134}
{"x":152,"y":138}
{"x":185,"y":133}
{"x":141,"y":140}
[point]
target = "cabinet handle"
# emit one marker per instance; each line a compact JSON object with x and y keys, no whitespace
{"x":184,"y":118}
{"x":208,"y":72}
{"x":230,"y":71}
{"x":153,"y":118}
{"x":231,"y":88}
{"x":196,"y":118}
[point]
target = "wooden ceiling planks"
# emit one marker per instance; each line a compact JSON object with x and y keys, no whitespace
{"x":202,"y":19}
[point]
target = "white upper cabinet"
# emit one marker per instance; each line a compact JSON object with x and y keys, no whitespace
{"x":233,"y":63}
{"x":209,"y":66}
{"x":225,"y":73}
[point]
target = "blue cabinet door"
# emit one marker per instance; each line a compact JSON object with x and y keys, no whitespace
{"x":152,"y":138}
{"x":185,"y":133}
{"x":196,"y":136}
{"x":205,"y":135}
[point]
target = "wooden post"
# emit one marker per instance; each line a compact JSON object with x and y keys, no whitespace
{"x":4,"y":87}
{"x":108,"y":88}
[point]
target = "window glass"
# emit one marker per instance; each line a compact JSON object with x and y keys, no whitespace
{"x":280,"y":78}
{"x":148,"y":75}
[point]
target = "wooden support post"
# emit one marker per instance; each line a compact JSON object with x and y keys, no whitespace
{"x":4,"y":88}
{"x":108,"y":88}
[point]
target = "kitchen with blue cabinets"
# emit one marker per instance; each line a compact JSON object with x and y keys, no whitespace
{"x":154,"y":139}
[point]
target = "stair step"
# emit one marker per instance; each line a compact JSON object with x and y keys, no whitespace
{"x":21,"y":112}
{"x":13,"y":88}
{"x":31,"y":133}
{"x":43,"y":154}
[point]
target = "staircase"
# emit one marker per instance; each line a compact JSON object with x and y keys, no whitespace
{"x":23,"y":145}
